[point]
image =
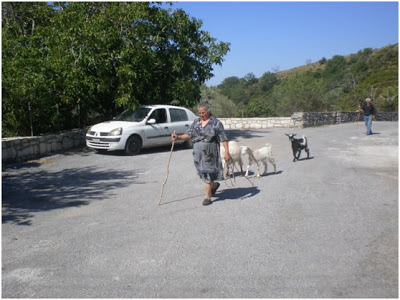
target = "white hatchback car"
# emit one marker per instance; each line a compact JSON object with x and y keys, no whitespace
{"x":145,"y":127}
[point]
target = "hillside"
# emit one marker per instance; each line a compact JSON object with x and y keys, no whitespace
{"x":312,"y":67}
{"x":339,"y":83}
{"x":318,"y":66}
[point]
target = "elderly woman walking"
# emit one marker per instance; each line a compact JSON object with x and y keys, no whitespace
{"x":206,"y":134}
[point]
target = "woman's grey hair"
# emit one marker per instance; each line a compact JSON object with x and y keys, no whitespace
{"x":204,"y":105}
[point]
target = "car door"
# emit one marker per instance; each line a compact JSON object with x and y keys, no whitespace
{"x":179,"y":120}
{"x":157,"y":133}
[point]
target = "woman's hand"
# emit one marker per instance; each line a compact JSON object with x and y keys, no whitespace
{"x":174,"y":136}
{"x":227,"y":156}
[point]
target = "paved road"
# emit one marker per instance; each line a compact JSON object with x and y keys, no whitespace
{"x":84,"y":224}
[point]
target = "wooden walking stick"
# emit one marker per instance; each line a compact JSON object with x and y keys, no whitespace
{"x":166,"y":177}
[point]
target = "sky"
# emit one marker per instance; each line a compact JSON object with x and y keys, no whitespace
{"x":278,"y":36}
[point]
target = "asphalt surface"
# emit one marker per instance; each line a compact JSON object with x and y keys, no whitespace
{"x":87,"y":225}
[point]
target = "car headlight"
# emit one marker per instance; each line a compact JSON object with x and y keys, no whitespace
{"x":116,"y":131}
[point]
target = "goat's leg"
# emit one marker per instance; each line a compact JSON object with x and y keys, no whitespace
{"x":258,"y":171}
{"x":225,"y":172}
{"x":272,"y":161}
{"x":265,"y":167}
{"x":241,"y":166}
{"x":231,"y":171}
{"x":308,"y":152}
{"x":299,"y":153}
{"x":250,"y":162}
{"x":294,"y":155}
{"x":223,"y":169}
{"x":247,"y":171}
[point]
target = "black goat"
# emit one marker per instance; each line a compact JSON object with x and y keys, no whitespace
{"x":298,"y":145}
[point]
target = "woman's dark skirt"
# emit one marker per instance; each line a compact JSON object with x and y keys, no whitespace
{"x":207,"y":161}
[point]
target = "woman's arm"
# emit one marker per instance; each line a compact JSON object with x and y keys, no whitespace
{"x":227,"y":156}
{"x":184,"y":137}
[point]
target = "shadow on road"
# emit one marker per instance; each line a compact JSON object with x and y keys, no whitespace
{"x":181,"y":199}
{"x":236,"y":194}
{"x":158,"y":149}
{"x":25,"y":194}
{"x":234,"y":134}
{"x":304,"y":158}
{"x":252,"y":174}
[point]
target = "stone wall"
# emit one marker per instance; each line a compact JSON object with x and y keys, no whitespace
{"x":328,"y":118}
{"x":22,"y":148}
{"x":301,"y":120}
{"x":260,"y":123}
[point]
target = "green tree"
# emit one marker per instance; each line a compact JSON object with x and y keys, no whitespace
{"x":24,"y":73}
{"x":221,"y":105}
{"x":267,"y":81}
{"x":78,"y":61}
{"x":136,"y":53}
{"x":229,"y":83}
{"x":335,"y":68}
{"x":260,"y":107}
{"x":300,"y":92}
{"x":233,"y":87}
{"x":249,"y":79}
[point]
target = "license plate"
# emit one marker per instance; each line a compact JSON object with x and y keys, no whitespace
{"x":96,"y":140}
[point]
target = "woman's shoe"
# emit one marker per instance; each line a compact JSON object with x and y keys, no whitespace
{"x":207,"y":202}
{"x":213,"y":191}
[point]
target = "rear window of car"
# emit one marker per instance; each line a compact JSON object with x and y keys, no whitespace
{"x":178,"y":115}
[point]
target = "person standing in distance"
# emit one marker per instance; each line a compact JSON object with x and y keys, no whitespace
{"x":206,"y":133}
{"x":369,"y":114}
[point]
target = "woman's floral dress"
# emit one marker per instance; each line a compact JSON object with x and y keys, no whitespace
{"x":206,"y":148}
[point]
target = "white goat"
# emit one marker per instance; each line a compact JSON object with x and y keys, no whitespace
{"x":260,"y":155}
{"x":236,"y":157}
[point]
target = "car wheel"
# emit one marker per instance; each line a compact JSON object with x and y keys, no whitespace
{"x":133,"y":145}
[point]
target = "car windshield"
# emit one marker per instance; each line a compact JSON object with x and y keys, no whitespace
{"x":133,"y":115}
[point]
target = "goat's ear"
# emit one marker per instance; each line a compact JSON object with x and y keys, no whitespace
{"x":286,"y":134}
{"x":294,"y":134}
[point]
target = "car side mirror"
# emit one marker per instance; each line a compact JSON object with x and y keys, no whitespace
{"x":151,"y":121}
